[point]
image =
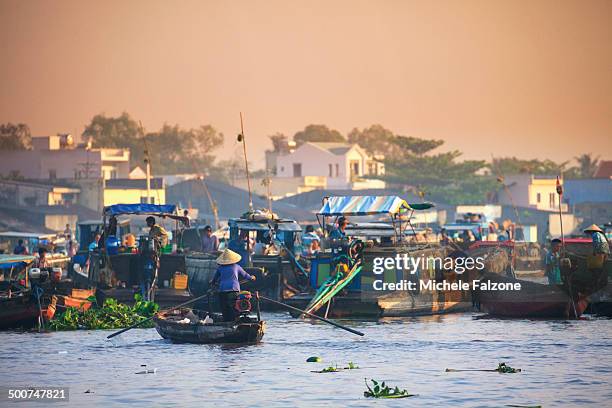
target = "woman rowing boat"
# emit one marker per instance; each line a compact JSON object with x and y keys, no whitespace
{"x":228,"y":275}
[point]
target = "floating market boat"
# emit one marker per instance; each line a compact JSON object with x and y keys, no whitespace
{"x":534,"y":300}
{"x":194,"y":326}
{"x":23,"y":302}
{"x":179,"y":328}
{"x":116,"y":267}
{"x":279,"y":275}
{"x":342,"y":277}
{"x":601,"y":301}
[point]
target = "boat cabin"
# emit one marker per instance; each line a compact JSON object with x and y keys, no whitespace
{"x":32,"y":240}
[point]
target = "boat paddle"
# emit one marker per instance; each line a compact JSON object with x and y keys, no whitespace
{"x":313,"y":316}
{"x":208,"y":292}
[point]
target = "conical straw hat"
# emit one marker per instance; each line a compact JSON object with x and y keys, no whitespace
{"x":593,"y":228}
{"x":228,"y":257}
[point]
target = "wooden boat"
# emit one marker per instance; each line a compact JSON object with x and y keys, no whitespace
{"x":18,"y":305}
{"x":356,"y":292}
{"x":184,"y":326}
{"x":21,"y":310}
{"x":533,"y":300}
{"x":568,"y":300}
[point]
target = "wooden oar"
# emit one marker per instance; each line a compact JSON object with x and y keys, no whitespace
{"x":208,"y":292}
{"x":313,"y":316}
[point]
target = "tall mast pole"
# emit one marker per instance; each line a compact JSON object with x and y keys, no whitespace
{"x":147,"y":163}
{"x":242,"y":139}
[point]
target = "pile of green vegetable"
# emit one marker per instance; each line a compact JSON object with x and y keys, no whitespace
{"x":112,"y":315}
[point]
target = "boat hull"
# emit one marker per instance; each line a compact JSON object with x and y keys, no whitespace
{"x":358,"y":305}
{"x":217,"y":333}
{"x":533,"y":300}
{"x":22,"y":312}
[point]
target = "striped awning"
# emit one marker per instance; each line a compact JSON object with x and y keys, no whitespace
{"x":364,"y":205}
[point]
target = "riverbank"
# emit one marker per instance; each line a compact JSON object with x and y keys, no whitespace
{"x":563,"y":362}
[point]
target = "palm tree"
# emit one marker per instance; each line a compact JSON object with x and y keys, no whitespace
{"x":587,"y":165}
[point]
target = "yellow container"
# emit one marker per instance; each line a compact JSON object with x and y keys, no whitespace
{"x":179,"y":281}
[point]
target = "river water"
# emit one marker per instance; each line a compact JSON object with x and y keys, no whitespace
{"x":564,"y":363}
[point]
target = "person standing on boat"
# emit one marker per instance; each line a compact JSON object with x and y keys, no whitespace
{"x":340,"y":231}
{"x":601,"y":247}
{"x":243,"y":246}
{"x":20,"y":249}
{"x":553,"y":264}
{"x":310,"y":242}
{"x":41,"y":262}
{"x":157,"y":233}
{"x":228,"y":276}
{"x":210,"y":242}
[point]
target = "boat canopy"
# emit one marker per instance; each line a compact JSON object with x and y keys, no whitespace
{"x":15,"y":261}
{"x":264,"y":225}
{"x":160,"y":210}
{"x":367,"y":205}
{"x":27,"y":235}
{"x":142,"y":208}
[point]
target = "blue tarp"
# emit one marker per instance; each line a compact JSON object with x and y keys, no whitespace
{"x":140,"y":209}
{"x":364,"y":205}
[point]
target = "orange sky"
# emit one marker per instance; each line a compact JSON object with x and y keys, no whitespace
{"x":524,"y":78}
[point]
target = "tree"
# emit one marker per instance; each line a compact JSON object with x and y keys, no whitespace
{"x":172,"y":149}
{"x":587,"y":165}
{"x":280,"y":142}
{"x":120,"y":132}
{"x":15,"y":137}
{"x":317,"y":133}
{"x":377,"y":140}
{"x":177,"y":150}
{"x":511,"y":165}
{"x":439,"y":176}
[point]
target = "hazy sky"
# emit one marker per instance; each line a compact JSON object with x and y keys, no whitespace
{"x":525,"y":78}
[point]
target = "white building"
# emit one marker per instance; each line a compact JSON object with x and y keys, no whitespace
{"x":341,"y":165}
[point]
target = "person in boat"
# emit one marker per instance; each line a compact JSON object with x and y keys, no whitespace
{"x":553,"y":262}
{"x":340,"y":231}
{"x":228,"y":276}
{"x":20,"y":249}
{"x":444,"y":238}
{"x":310,"y":239}
{"x":601,"y":247}
{"x":157,"y":233}
{"x":210,"y":242}
{"x":42,"y":261}
{"x":94,"y":244}
{"x":243,"y":247}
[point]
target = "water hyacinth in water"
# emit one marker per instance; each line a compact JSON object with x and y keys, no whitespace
{"x":381,"y":390}
{"x":112,"y":315}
